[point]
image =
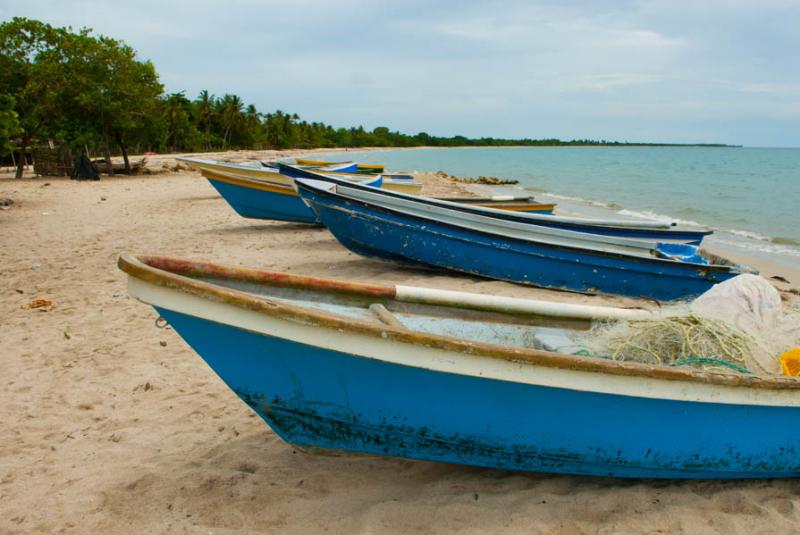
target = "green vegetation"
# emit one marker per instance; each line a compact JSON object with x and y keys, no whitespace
{"x":9,"y":125}
{"x":87,"y":91}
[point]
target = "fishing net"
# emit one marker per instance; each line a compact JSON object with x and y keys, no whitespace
{"x":698,"y":342}
{"x":680,"y":340}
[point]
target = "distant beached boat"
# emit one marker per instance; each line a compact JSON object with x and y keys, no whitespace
{"x":258,"y":198}
{"x":414,"y":230}
{"x":390,"y":181}
{"x":648,"y":230}
{"x":257,"y":192}
{"x":270,"y":172}
{"x":468,"y":379}
{"x":362,"y":167}
{"x":513,"y":203}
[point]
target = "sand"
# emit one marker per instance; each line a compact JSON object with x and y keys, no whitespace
{"x":114,"y":425}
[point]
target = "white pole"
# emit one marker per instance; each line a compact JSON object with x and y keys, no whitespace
{"x":513,"y":305}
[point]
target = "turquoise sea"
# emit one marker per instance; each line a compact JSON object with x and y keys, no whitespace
{"x":750,"y":196}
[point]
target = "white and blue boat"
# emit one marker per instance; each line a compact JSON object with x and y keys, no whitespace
{"x":257,"y":192}
{"x":413,"y":231}
{"x":338,"y":365}
{"x":648,"y":230}
{"x":261,"y":199}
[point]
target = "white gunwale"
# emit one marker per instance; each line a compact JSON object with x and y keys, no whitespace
{"x":173,"y":291}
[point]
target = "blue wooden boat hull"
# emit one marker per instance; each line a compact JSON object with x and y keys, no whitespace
{"x":319,"y":398}
{"x":263,"y":204}
{"x":391,"y":235}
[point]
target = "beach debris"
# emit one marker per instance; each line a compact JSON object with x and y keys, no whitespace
{"x":19,"y":291}
{"x":67,"y":335}
{"x":162,"y":343}
{"x":45,"y":305}
{"x":102,"y":198}
{"x":5,"y":203}
{"x":780,"y":279}
{"x":145,"y":387}
{"x":790,"y":362}
{"x":36,"y":265}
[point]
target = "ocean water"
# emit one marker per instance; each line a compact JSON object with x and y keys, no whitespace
{"x":750,"y":196}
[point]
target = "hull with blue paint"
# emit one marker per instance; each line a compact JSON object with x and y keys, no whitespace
{"x":265,"y":202}
{"x":323,"y":380}
{"x":370,"y":230}
{"x":317,"y":398}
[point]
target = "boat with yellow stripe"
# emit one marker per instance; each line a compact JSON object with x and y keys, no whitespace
{"x":256,"y":198}
{"x":265,"y":171}
{"x":362,"y":167}
{"x":512,"y":203}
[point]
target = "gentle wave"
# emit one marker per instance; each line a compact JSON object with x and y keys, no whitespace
{"x":661,"y":218}
{"x":576,"y":199}
{"x":750,"y":235}
{"x":758,"y":242}
{"x":763,"y":247}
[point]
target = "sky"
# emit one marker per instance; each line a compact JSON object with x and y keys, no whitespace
{"x":661,"y":71}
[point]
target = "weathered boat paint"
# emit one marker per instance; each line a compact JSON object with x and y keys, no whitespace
{"x":629,"y":229}
{"x":325,"y":381}
{"x":371,"y":230}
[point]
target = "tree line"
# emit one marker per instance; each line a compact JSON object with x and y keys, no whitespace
{"x":91,"y":92}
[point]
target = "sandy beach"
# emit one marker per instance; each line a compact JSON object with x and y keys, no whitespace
{"x":114,"y":425}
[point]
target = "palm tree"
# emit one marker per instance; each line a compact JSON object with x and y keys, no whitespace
{"x":230,"y":107}
{"x":204,"y":111}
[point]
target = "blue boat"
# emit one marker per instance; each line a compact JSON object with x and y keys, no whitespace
{"x":255,"y":200}
{"x":417,"y":232}
{"x":648,"y":230}
{"x":337,"y":365}
{"x":265,"y":197}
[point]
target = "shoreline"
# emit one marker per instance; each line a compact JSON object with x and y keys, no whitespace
{"x":765,"y":263}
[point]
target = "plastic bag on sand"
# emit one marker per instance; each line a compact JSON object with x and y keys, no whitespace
{"x":749,"y":303}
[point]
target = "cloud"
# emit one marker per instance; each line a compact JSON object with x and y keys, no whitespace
{"x":513,"y":68}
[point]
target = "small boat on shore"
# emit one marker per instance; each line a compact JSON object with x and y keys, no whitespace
{"x":513,"y":203}
{"x":257,"y":198}
{"x":463,"y":378}
{"x":415,"y":230}
{"x":270,"y":172}
{"x":361,"y":167}
{"x":257,"y":192}
{"x":401,"y":182}
{"x":643,"y":229}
